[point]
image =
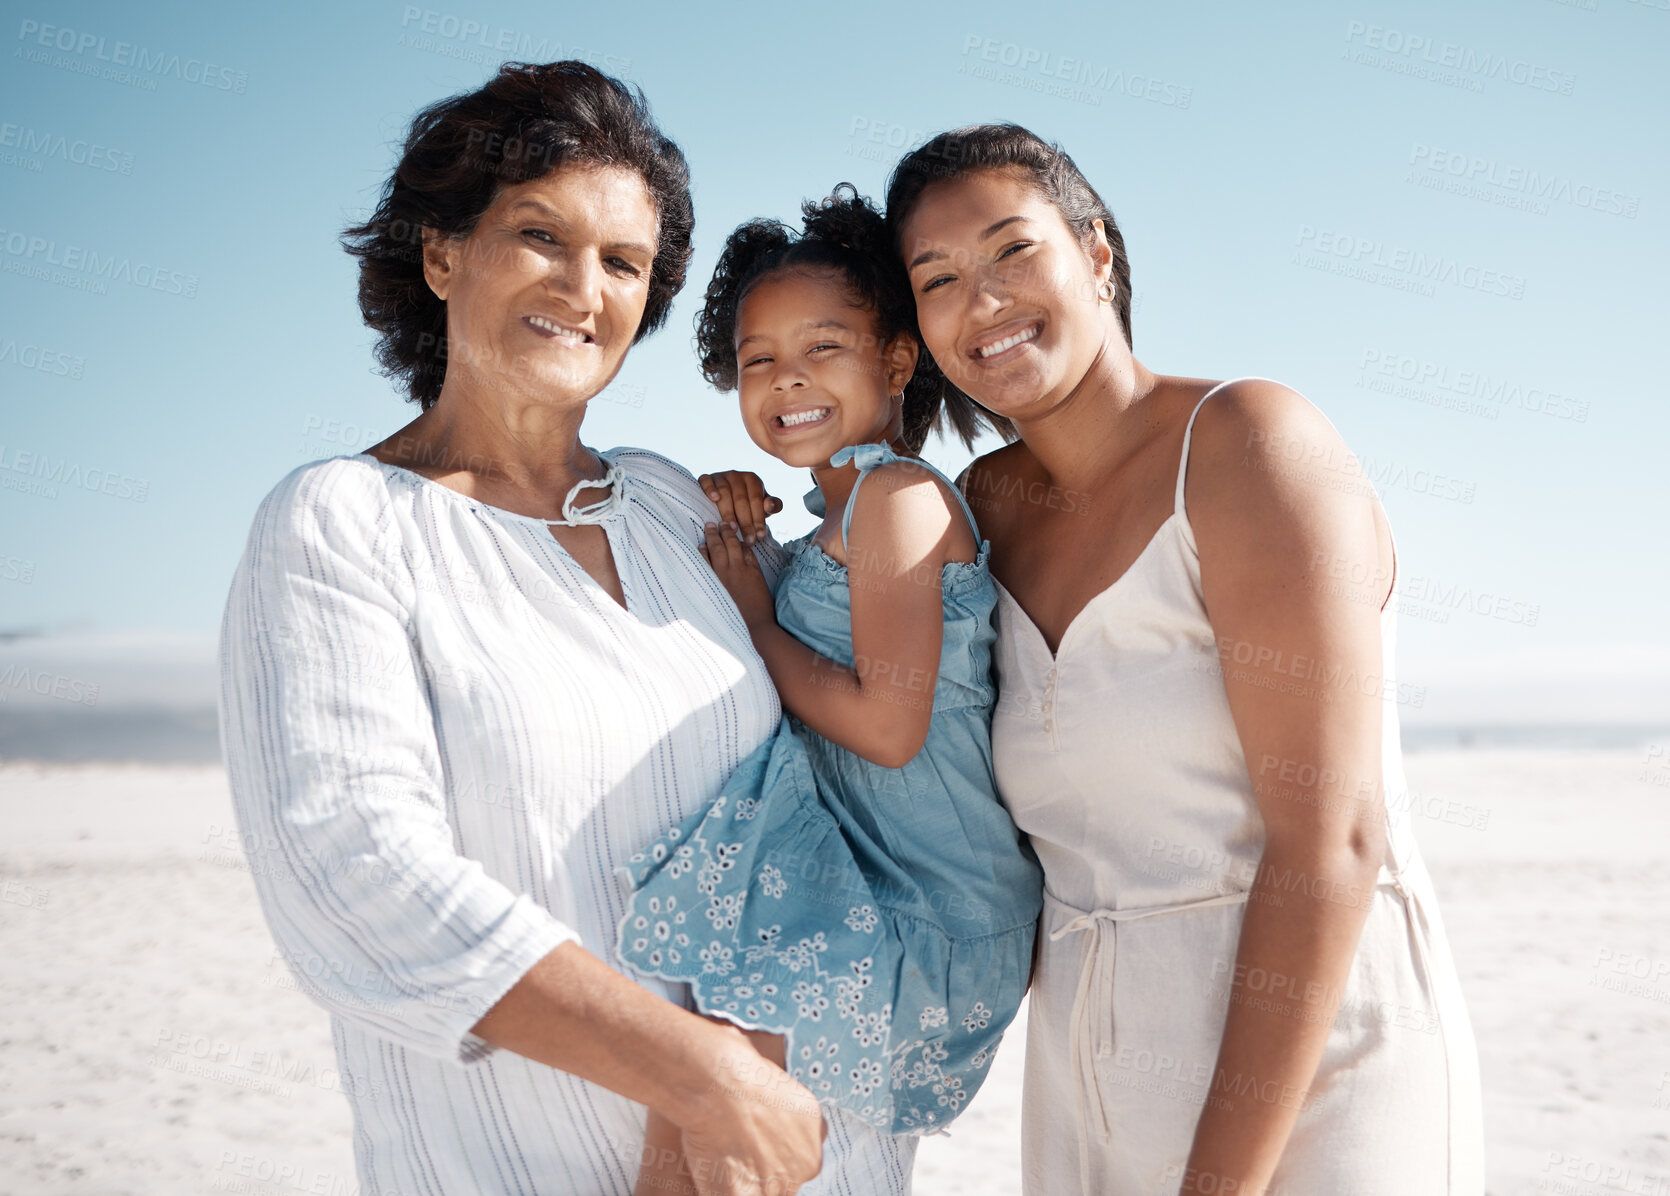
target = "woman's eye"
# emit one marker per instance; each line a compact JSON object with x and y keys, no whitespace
{"x":539,"y":234}
{"x":932,"y":283}
{"x":1013,"y":248}
{"x":624,"y":266}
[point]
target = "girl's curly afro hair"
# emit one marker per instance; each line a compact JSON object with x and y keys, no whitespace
{"x":842,"y":233}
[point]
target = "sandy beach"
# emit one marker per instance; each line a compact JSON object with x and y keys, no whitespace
{"x":154,"y":1044}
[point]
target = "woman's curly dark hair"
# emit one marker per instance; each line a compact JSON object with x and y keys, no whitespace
{"x":841,"y":232}
{"x":527,"y":121}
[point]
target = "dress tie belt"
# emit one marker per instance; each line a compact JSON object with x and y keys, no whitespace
{"x":1092,"y":1014}
{"x":1093,"y":1003}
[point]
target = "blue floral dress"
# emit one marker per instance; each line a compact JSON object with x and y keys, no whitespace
{"x":881,"y":919}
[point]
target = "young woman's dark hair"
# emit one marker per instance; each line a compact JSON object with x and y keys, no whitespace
{"x":842,"y":233}
{"x":527,"y":121}
{"x":993,"y":147}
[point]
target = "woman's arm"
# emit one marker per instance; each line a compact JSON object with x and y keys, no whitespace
{"x":742,"y":1116}
{"x":336,"y":779}
{"x":1281,"y":513}
{"x":901,"y":534}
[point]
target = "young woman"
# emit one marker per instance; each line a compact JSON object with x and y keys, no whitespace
{"x":1243,"y":983}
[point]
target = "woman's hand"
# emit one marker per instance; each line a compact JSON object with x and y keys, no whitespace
{"x":748,"y":1128}
{"x":741,"y":499}
{"x":739,"y":572}
{"x":759,"y":1133}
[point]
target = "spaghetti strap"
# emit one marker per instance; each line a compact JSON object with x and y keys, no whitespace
{"x":869,"y":456}
{"x":1183,"y":469}
{"x":1189,"y":431}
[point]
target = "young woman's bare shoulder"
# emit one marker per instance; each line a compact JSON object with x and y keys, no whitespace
{"x":1262,"y":445}
{"x":1258,"y":416}
{"x":991,"y":481}
{"x":1010,"y":459}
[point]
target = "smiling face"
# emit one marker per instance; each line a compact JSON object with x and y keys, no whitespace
{"x":813,"y":376}
{"x":546,"y":293}
{"x":1006,"y":294}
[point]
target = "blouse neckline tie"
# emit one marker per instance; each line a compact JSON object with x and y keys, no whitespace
{"x":601,"y":511}
{"x":603,"y":508}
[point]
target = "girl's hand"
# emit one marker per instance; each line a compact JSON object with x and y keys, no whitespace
{"x":741,"y":499}
{"x":739,"y":572}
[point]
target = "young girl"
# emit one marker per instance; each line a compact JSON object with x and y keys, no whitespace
{"x":857,"y":896}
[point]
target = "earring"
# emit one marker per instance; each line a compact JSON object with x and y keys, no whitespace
{"x":1105,"y":291}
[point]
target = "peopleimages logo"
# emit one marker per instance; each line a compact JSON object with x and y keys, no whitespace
{"x":38,"y":257}
{"x":38,"y":357}
{"x":1475,"y":392}
{"x":1446,"y":62}
{"x":1073,"y":78}
{"x":15,"y":678}
{"x":471,"y":40}
{"x":38,"y":473}
{"x":1490,"y":179}
{"x":78,"y":151}
{"x":1327,"y":248}
{"x":150,"y":64}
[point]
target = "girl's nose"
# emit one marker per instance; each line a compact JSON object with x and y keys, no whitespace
{"x":788,"y":377}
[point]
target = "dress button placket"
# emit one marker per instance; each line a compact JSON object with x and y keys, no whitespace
{"x":1048,"y":707}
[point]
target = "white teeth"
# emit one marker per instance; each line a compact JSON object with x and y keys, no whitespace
{"x":803,"y":417}
{"x":548,"y":326}
{"x":1009,"y":342}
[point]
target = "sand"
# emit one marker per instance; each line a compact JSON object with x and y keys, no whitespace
{"x":152,"y":1042}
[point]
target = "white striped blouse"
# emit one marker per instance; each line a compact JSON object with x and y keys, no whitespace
{"x":442,"y":736}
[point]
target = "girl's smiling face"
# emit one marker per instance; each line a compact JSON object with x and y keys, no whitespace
{"x":813,"y":376}
{"x":1006,"y":294}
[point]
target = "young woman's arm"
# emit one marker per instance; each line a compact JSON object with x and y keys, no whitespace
{"x":1295,"y":568}
{"x":904,"y":528}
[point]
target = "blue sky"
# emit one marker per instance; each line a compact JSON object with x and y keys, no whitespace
{"x":1445,"y":225}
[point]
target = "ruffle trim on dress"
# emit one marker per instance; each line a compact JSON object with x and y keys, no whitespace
{"x":954,"y":576}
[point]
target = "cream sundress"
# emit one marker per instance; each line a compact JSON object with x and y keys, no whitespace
{"x":1118,"y":756}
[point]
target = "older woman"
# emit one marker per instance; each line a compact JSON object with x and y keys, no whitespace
{"x":468,"y":672}
{"x":1243,"y":984}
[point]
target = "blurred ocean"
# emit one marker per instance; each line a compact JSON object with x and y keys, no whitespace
{"x":134,"y":734}
{"x":147,"y":696}
{"x":1539,"y":737}
{"x":64,"y":733}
